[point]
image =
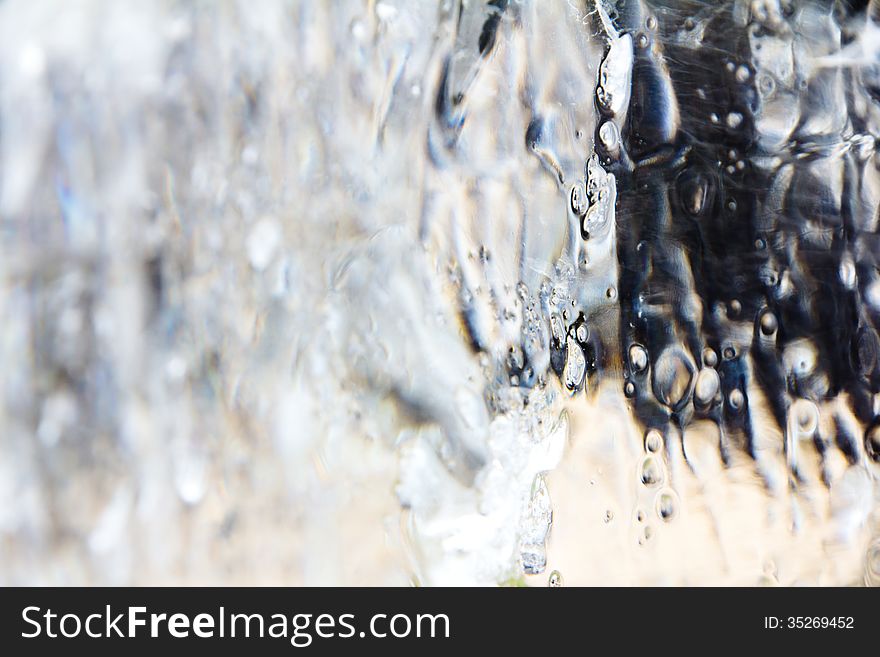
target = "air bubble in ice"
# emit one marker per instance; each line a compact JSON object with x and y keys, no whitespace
{"x":799,"y":358}
{"x":609,"y":135}
{"x":695,"y":191}
{"x":615,"y":75}
{"x":807,"y":416}
{"x":575,"y":365}
{"x":666,"y":504}
{"x":638,"y":357}
{"x":601,"y":195}
{"x":650,"y":471}
{"x":535,"y":526}
{"x":673,"y":377}
{"x":653,"y":441}
{"x":578,"y":199}
{"x":707,"y":386}
{"x":736,"y":400}
{"x":710,"y":358}
{"x":768,"y":323}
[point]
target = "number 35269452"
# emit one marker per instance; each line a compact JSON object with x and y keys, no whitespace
{"x":808,"y":622}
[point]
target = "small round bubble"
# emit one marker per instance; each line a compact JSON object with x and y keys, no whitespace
{"x":651,"y":471}
{"x":666,"y":504}
{"x":653,"y":441}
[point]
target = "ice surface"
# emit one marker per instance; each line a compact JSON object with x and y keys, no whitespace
{"x":437,"y":292}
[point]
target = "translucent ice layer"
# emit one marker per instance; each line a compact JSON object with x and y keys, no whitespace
{"x":361,"y":292}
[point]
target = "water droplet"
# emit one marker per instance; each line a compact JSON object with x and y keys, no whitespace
{"x":642,"y":40}
{"x":651,"y":23}
{"x":555,"y":580}
{"x":609,"y":516}
{"x":611,"y":293}
{"x":742,"y":74}
{"x":582,"y":333}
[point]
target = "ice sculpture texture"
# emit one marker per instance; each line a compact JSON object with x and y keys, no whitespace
{"x":451,"y":292}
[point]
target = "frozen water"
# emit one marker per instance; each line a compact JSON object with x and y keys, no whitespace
{"x":370,"y":292}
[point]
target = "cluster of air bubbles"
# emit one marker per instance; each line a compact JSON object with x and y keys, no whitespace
{"x":654,"y":491}
{"x":744,"y":277}
{"x":596,"y":208}
{"x":535,"y":527}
